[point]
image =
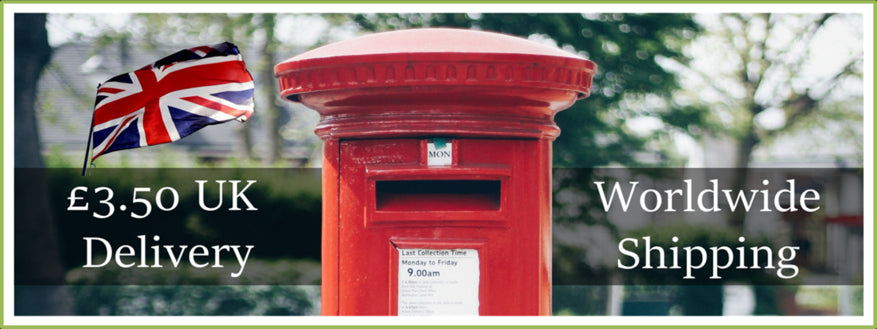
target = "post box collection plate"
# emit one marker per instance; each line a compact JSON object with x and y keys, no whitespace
{"x":438,"y":282}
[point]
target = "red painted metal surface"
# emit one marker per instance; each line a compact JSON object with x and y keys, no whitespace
{"x":381,"y":97}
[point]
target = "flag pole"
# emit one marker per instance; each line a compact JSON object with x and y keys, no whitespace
{"x":88,"y":144}
{"x":90,"y":133}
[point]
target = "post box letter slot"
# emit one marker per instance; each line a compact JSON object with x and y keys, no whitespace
{"x":437,"y":195}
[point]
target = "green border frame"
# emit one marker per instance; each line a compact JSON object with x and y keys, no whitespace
{"x":2,"y":177}
{"x":786,"y":2}
{"x":2,"y":131}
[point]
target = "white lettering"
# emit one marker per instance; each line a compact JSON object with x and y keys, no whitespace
{"x":198,"y":256}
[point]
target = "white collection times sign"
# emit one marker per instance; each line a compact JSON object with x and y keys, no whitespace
{"x":438,"y":282}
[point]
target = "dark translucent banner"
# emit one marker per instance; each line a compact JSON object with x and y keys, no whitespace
{"x":777,"y":226}
{"x":168,"y":227}
{"x":773,"y":226}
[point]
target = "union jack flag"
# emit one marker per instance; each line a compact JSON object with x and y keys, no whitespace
{"x":171,"y":98}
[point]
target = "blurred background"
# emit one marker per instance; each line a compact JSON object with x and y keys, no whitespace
{"x":685,"y":91}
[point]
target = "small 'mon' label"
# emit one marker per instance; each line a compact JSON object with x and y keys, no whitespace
{"x":439,"y":152}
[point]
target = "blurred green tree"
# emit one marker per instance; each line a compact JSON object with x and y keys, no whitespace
{"x":768,"y":65}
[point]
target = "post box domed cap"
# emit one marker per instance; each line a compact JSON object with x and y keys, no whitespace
{"x":434,"y":56}
{"x":433,"y":40}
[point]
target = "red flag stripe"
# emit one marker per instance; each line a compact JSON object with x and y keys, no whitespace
{"x":112,"y":139}
{"x":154,"y":123}
{"x":218,"y":106}
{"x":109,"y":90}
{"x":196,"y":76}
{"x":121,"y":107}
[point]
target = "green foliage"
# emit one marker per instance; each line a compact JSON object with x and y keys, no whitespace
{"x":690,"y":119}
{"x":56,"y":158}
{"x":762,"y":75}
{"x":259,"y":272}
{"x":701,"y":300}
{"x":194,"y":300}
{"x":579,"y":300}
{"x":842,"y":120}
{"x":767,"y":299}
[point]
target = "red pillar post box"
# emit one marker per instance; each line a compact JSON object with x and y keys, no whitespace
{"x":436,"y":168}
